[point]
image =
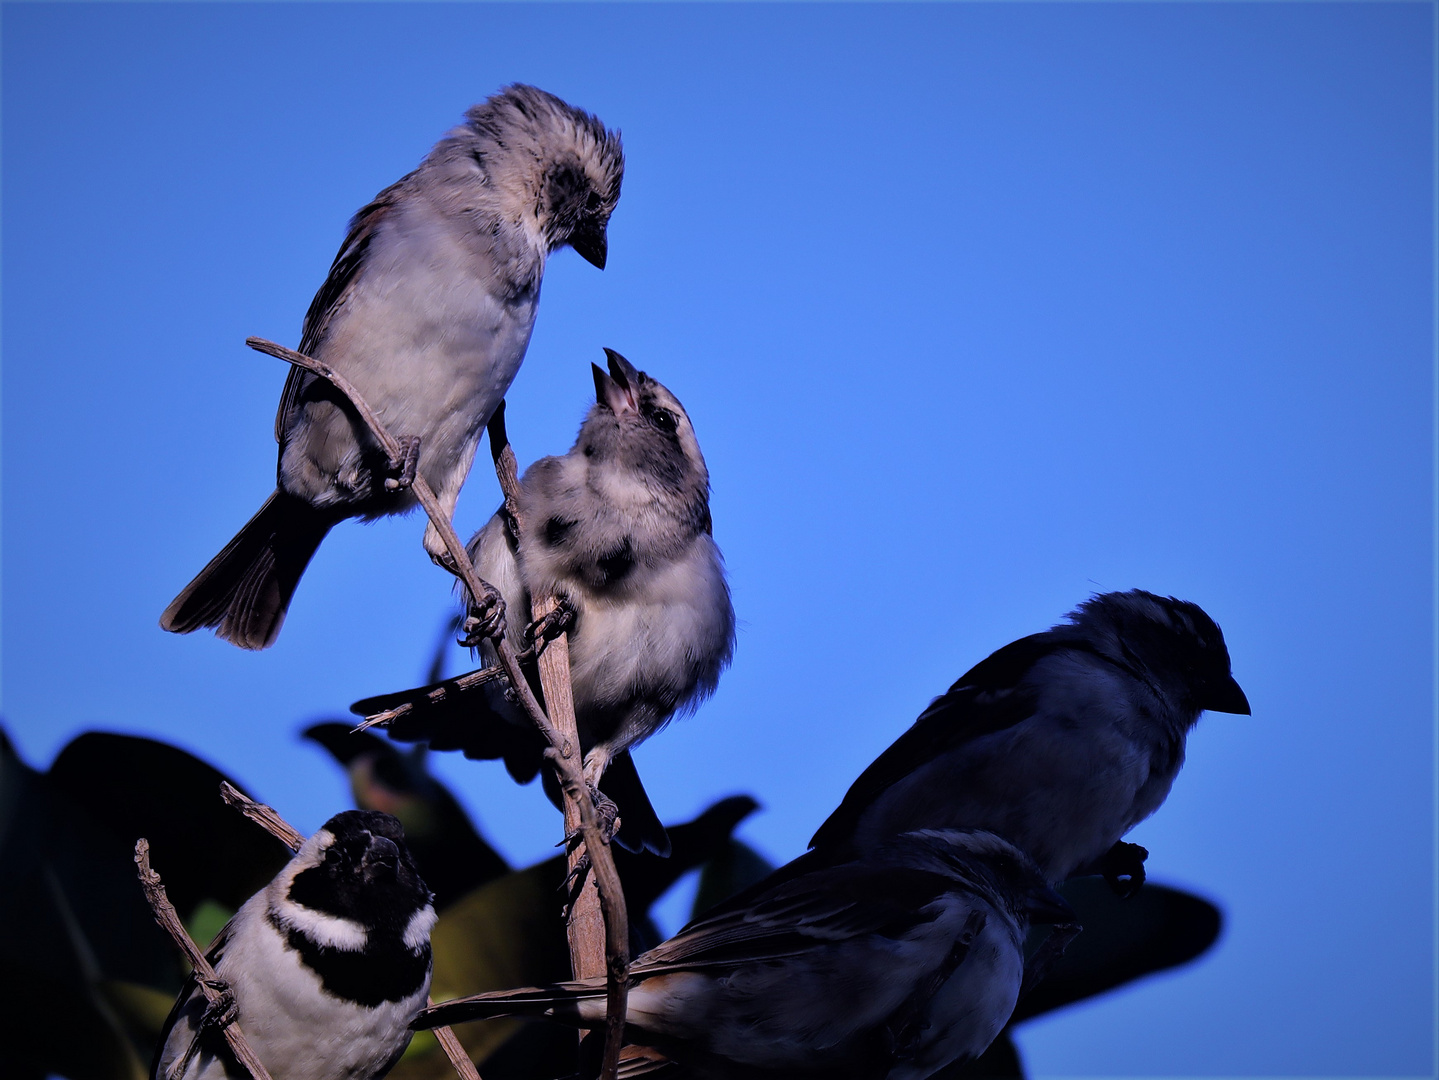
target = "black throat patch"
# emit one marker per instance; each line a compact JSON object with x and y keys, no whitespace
{"x":386,"y":969}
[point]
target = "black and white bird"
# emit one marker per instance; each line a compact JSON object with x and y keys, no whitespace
{"x":427,"y":310}
{"x":886,"y":968}
{"x":1061,"y":742}
{"x":619,"y":530}
{"x":325,"y":966}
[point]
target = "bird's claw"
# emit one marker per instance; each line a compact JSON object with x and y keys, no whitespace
{"x":560,"y":619}
{"x":403,"y":469}
{"x":487,"y":624}
{"x":574,"y":883}
{"x":1123,"y":867}
{"x":223,"y":1011}
{"x":218,"y":1015}
{"x":607,"y":814}
{"x":444,"y":560}
{"x":607,"y":818}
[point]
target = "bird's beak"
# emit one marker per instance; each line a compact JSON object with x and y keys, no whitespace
{"x":381,"y":857}
{"x":1047,"y":906}
{"x":621,"y":370}
{"x":1226,"y":697}
{"x":616,"y":390}
{"x":590,"y":242}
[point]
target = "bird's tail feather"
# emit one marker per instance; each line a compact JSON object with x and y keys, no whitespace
{"x":245,"y":590}
{"x":640,"y":827}
{"x":455,"y":714}
{"x":558,"y":1002}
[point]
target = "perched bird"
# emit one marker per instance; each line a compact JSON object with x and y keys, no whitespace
{"x":1060,"y":742}
{"x":619,"y":530}
{"x":891,"y":966}
{"x":324,"y":967}
{"x":427,"y":311}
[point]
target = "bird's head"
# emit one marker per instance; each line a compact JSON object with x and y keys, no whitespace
{"x":567,"y":163}
{"x":640,"y":427}
{"x":1171,"y":642}
{"x":357,"y":869}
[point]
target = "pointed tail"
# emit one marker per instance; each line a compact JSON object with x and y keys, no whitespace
{"x":245,"y":590}
{"x":469,"y":713}
{"x":640,"y":826}
{"x":564,"y":1002}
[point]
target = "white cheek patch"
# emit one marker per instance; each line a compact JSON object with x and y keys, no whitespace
{"x":322,"y":929}
{"x":417,"y":933}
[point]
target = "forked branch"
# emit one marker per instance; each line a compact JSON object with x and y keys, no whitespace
{"x":598,"y":930}
{"x":565,"y":748}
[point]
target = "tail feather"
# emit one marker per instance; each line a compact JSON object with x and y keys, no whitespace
{"x":474,"y":718}
{"x":244,"y":592}
{"x":640,"y":827}
{"x":559,"y":1002}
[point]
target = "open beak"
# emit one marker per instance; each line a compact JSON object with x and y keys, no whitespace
{"x":1226,"y":697}
{"x":616,"y":390}
{"x":621,"y":370}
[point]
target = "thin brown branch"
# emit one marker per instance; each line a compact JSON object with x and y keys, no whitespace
{"x":432,"y":695}
{"x":262,"y":815}
{"x":481,"y":592}
{"x":268,"y":819}
{"x":566,"y":755}
{"x":599,"y":924}
{"x":205,"y":975}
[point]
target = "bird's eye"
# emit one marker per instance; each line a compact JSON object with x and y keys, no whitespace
{"x":663,"y":419}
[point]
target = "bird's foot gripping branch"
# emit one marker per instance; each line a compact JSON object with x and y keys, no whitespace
{"x":599,"y":924}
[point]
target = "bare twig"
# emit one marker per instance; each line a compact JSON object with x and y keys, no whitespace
{"x":205,"y":976}
{"x":480,"y":591}
{"x":262,"y":815}
{"x":268,"y":819}
{"x":565,"y":755}
{"x":432,"y":695}
{"x":599,"y":925}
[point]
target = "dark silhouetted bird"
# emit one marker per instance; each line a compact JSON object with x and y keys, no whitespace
{"x":1060,"y":742}
{"x":891,"y":966}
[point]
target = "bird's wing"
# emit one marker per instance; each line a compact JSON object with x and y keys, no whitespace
{"x":335,"y":291}
{"x":188,"y":993}
{"x":989,"y":697}
{"x":823,"y":907}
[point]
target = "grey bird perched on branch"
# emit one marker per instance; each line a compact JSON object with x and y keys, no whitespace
{"x":1060,"y":742}
{"x":324,"y":968}
{"x":891,"y":966}
{"x":619,"y":531}
{"x":427,"y":310}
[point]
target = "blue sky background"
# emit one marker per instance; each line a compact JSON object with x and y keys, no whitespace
{"x":977,"y":309}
